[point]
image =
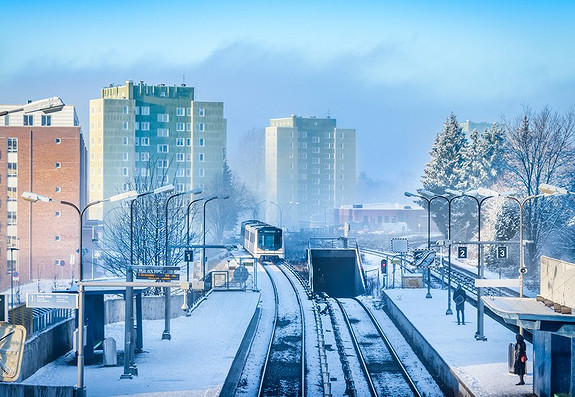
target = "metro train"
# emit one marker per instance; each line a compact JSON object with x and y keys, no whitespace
{"x":262,"y":240}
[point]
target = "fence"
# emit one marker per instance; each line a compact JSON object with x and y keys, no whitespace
{"x":37,"y":319}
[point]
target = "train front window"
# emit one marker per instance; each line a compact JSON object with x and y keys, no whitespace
{"x":270,"y":240}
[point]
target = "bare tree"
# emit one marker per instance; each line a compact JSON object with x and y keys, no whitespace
{"x":540,"y":149}
{"x":148,"y":237}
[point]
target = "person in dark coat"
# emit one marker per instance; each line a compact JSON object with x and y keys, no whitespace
{"x":520,"y":358}
{"x":459,"y":297}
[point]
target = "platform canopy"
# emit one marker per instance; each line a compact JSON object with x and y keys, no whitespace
{"x":531,"y":314}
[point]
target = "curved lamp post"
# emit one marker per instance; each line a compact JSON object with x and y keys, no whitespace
{"x":188,"y":223}
{"x":33,"y":197}
{"x":129,"y":364}
{"x":479,"y":333}
{"x":204,"y":233}
{"x":166,"y":333}
{"x":428,"y":201}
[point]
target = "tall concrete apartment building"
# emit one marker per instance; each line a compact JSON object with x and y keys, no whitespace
{"x":154,"y":132}
{"x":44,"y":154}
{"x":310,"y":169}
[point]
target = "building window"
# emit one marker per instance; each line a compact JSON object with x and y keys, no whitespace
{"x":180,"y":157}
{"x":202,"y":142}
{"x":137,"y":141}
{"x":202,"y":112}
{"x":188,"y":126}
{"x":7,"y":120}
{"x":125,"y":156}
{"x":145,"y":156}
{"x":58,"y":165}
{"x":145,"y":110}
{"x":163,"y":148}
{"x":315,"y":139}
{"x":202,"y":173}
{"x":57,"y":214}
{"x":180,"y":142}
{"x":315,"y":150}
{"x":188,"y":111}
{"x":180,"y":126}
{"x":145,"y":141}
{"x":125,"y":171}
{"x":46,"y":120}
{"x":28,"y":119}
{"x":57,"y":237}
{"x":181,"y":172}
{"x":202,"y":127}
{"x":145,"y":126}
{"x":303,"y":145}
{"x":163,"y":132}
{"x":188,"y":157}
{"x":57,"y":189}
{"x":201,"y":157}
{"x":126,"y":109}
{"x":125,"y":125}
{"x":58,"y":141}
{"x":180,"y":112}
{"x":163,"y":117}
{"x":124,"y":140}
{"x":188,"y":142}
{"x":163,"y":163}
{"x":137,"y":110}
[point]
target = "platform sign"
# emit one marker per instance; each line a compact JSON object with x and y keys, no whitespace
{"x":189,"y":256}
{"x":157,"y":276}
{"x":241,"y":274}
{"x":399,"y":245}
{"x":502,"y":252}
{"x":424,"y":258}
{"x":52,"y":301}
{"x":461,"y":252}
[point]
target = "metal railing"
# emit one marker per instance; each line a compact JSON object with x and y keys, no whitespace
{"x":37,"y":319}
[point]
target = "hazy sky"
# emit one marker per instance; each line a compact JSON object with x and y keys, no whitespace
{"x":391,"y":70}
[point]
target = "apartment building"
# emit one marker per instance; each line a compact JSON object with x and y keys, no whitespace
{"x":42,"y":153}
{"x":310,"y":169}
{"x":154,"y":133}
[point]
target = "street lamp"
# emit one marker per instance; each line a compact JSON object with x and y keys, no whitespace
{"x":480,"y":307}
{"x":34,"y":197}
{"x":204,"y":233}
{"x":129,"y":297}
{"x":48,"y":105}
{"x":188,"y":223}
{"x":166,"y":333}
{"x":546,"y":190}
{"x":281,"y":208}
{"x":255,"y":208}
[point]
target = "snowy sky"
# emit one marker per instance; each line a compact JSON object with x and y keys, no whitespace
{"x":392,"y":70}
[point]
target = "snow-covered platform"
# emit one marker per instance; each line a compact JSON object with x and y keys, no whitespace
{"x":481,"y":366}
{"x":195,"y":362}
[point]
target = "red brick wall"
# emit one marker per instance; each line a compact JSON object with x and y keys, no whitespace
{"x":38,"y":224}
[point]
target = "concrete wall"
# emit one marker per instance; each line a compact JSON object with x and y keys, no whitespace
{"x":449,"y":382}
{"x":18,"y":390}
{"x":152,"y":308}
{"x":45,"y":347}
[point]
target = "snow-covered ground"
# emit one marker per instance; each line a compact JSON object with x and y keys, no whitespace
{"x":481,"y":364}
{"x":197,"y":359}
{"x":194,"y":362}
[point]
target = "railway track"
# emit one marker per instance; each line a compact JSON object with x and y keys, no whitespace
{"x":284,"y":370}
{"x":383,"y":372}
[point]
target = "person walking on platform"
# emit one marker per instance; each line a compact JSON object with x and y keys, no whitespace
{"x":520,"y":358}
{"x":459,"y":297}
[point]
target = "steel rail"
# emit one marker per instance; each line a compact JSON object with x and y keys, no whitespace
{"x":410,"y":381}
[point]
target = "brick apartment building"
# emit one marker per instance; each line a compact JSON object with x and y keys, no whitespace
{"x":44,"y":154}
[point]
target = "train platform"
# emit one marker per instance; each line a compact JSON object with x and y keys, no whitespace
{"x":195,"y":362}
{"x":481,"y":366}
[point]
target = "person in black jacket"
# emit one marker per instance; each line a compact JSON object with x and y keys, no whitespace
{"x":459,"y":297}
{"x":520,"y":358}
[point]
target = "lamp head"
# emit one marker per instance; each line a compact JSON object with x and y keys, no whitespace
{"x":164,"y":189}
{"x":197,"y":190}
{"x":551,"y":190}
{"x":33,"y":197}
{"x":130,"y":195}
